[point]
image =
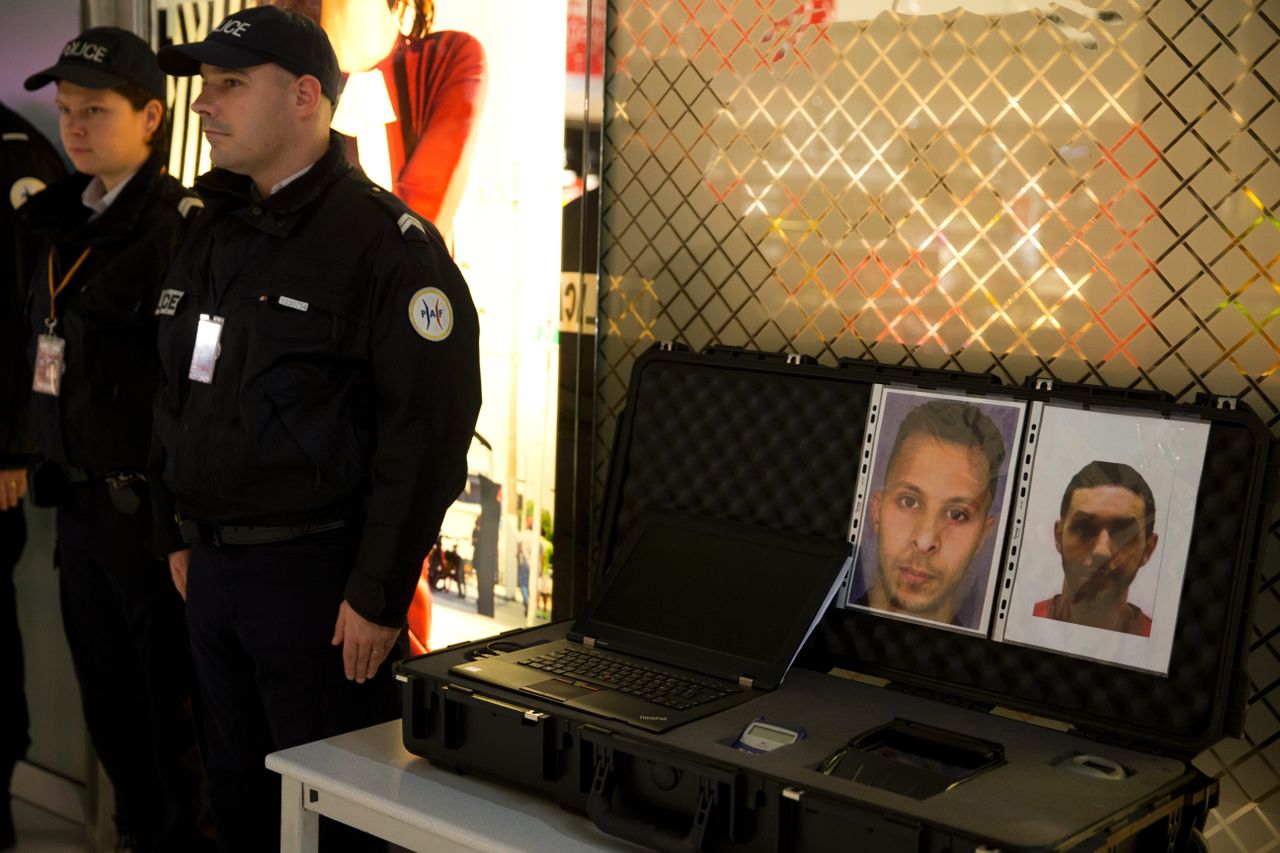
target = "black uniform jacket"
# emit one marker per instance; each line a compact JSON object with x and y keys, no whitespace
{"x":28,"y":163}
{"x":101,"y":421}
{"x":348,"y":382}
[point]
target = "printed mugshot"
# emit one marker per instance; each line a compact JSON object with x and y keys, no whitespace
{"x":935,"y":510}
{"x":1105,"y":535}
{"x":1108,"y":525}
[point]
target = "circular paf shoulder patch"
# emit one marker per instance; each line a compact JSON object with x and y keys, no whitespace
{"x":23,"y":189}
{"x":431,"y":314}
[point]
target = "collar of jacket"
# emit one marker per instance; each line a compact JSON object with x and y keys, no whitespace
{"x":226,"y":192}
{"x":59,"y":212}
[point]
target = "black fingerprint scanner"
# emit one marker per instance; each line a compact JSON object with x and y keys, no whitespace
{"x":913,"y":759}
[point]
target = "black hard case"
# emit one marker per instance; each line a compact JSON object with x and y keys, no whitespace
{"x":777,"y":441}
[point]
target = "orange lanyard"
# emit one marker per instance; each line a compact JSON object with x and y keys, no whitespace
{"x":52,"y":322}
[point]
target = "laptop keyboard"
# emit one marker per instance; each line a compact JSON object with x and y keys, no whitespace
{"x":605,"y":670}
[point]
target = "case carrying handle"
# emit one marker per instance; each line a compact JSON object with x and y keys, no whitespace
{"x":632,"y":822}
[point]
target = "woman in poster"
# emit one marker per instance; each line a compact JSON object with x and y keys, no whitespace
{"x":412,"y":98}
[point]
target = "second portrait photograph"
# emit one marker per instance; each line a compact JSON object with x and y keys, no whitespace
{"x":1108,"y":527}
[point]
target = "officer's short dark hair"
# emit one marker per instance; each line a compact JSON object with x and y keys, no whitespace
{"x":959,"y":423}
{"x":1100,"y":473}
{"x":138,"y":98}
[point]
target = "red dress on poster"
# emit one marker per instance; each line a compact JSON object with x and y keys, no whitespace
{"x":436,"y":87}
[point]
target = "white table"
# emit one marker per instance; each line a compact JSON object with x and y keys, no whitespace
{"x":368,"y":780}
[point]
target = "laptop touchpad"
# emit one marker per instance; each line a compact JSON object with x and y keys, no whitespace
{"x":554,"y":688}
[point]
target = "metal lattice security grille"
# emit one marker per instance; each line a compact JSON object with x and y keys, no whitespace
{"x":985,"y":192}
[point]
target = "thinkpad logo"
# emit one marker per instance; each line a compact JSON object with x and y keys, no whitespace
{"x":648,"y":717}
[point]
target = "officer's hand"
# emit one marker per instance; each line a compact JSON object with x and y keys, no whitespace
{"x":365,"y":644}
{"x":13,"y":485}
{"x":179,"y":561}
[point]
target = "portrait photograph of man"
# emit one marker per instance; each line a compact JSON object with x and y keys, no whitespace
{"x":1108,"y":524}
{"x":934,"y":511}
{"x":1105,"y":533}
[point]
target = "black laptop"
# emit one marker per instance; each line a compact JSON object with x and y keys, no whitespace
{"x":695,"y":615}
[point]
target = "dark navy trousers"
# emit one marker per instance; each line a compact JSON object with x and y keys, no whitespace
{"x":124,"y":624}
{"x":261,"y":618}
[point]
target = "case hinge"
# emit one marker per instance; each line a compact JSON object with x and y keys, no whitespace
{"x":589,"y":642}
{"x":746,"y":681}
{"x":794,"y":358}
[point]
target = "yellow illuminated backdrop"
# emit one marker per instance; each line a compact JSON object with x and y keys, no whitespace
{"x":961,"y":190}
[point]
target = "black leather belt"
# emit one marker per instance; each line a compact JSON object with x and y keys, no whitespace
{"x":230,"y":534}
{"x":125,"y":496}
{"x":76,"y":475}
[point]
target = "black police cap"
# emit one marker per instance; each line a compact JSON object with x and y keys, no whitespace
{"x":103,"y":58}
{"x":258,"y":35}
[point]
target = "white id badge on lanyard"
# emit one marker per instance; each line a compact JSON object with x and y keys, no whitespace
{"x":205,"y":355}
{"x":50,"y":352}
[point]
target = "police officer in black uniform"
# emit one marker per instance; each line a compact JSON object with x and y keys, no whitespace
{"x":320,"y":352}
{"x":109,"y":233}
{"x":28,"y":163}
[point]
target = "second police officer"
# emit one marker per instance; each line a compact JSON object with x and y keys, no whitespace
{"x":109,"y":232}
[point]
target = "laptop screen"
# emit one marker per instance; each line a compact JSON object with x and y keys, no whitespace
{"x":708,"y":591}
